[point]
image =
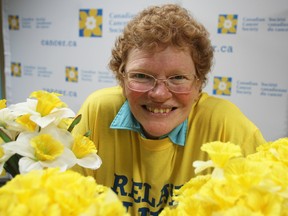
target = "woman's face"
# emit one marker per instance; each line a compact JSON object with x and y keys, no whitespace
{"x":159,"y":110}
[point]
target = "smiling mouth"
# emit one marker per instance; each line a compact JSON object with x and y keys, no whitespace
{"x":159,"y":110}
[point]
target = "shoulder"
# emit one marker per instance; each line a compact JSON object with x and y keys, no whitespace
{"x":100,"y":107}
{"x":106,"y":96}
{"x":219,"y":112}
{"x":104,"y":101}
{"x":220,"y":119}
{"x":212,"y":104}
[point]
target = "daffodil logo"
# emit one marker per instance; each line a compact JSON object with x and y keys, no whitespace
{"x":13,"y":22}
{"x":90,"y":23}
{"x":227,"y":24}
{"x":222,"y":85}
{"x":16,"y":69}
{"x":72,"y":74}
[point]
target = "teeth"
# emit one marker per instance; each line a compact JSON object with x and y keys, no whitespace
{"x":158,"y":110}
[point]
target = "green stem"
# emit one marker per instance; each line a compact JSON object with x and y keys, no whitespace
{"x":11,"y":166}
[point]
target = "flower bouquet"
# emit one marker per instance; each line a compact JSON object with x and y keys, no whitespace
{"x":37,"y":148}
{"x":36,"y":134}
{"x":55,"y":193}
{"x":238,"y":186}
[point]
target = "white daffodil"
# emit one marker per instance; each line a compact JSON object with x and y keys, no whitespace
{"x":48,"y":148}
{"x":85,"y":152}
{"x":7,"y":121}
{"x":39,"y":114}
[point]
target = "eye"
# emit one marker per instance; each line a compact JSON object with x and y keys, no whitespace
{"x":140,"y":77}
{"x":179,"y":78}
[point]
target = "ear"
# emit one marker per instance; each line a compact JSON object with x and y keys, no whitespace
{"x":198,"y":85}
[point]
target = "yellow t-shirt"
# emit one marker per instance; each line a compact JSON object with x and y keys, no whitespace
{"x":144,"y":172}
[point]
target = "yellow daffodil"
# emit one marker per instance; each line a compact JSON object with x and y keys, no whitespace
{"x":272,"y":152}
{"x":85,"y":152}
{"x":276,"y":181}
{"x":259,"y":201}
{"x":280,"y":150}
{"x":51,"y":192}
{"x":245,"y":173}
{"x":187,"y":198}
{"x":237,"y":210}
{"x":192,"y":186}
{"x":217,"y":194}
{"x":254,"y":185}
{"x":220,"y":153}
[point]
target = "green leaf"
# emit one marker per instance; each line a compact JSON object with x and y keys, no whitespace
{"x":4,"y":136}
{"x":88,"y":133}
{"x":12,"y":165}
{"x":74,"y":123}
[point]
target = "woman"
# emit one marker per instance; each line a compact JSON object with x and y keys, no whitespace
{"x":150,"y":128}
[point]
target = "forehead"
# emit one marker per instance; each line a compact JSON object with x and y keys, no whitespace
{"x":160,"y":59}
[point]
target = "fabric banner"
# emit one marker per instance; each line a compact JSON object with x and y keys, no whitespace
{"x":64,"y":46}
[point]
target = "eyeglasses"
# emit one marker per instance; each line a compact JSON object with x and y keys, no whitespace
{"x":142,"y":82}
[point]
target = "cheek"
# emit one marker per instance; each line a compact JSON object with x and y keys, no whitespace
{"x":188,"y":100}
{"x":132,"y":96}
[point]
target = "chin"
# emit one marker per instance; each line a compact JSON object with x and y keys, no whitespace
{"x":155,"y":134}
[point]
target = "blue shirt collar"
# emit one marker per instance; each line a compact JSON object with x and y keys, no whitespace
{"x":125,"y":120}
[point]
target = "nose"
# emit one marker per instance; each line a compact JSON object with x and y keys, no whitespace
{"x":160,"y":92}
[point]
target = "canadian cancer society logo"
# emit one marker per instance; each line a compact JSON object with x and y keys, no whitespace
{"x":16,"y":69}
{"x":71,"y":74}
{"x":227,"y":23}
{"x":90,"y":22}
{"x":222,"y":85}
{"x":13,"y":22}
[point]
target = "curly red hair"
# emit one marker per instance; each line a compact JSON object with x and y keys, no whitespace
{"x":162,"y":26}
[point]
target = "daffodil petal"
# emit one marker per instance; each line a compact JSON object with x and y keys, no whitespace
{"x":1,"y":167}
{"x":27,"y":164}
{"x":202,"y":165}
{"x":7,"y":153}
{"x":16,"y":147}
{"x":63,"y":112}
{"x":218,"y":173}
{"x":21,"y":147}
{"x":55,"y":116}
{"x":91,"y":161}
{"x":66,"y":160}
{"x":59,"y":134}
{"x":220,"y":152}
{"x":25,"y":107}
{"x":42,"y":121}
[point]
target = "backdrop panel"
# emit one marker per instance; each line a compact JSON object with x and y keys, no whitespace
{"x":65,"y":46}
